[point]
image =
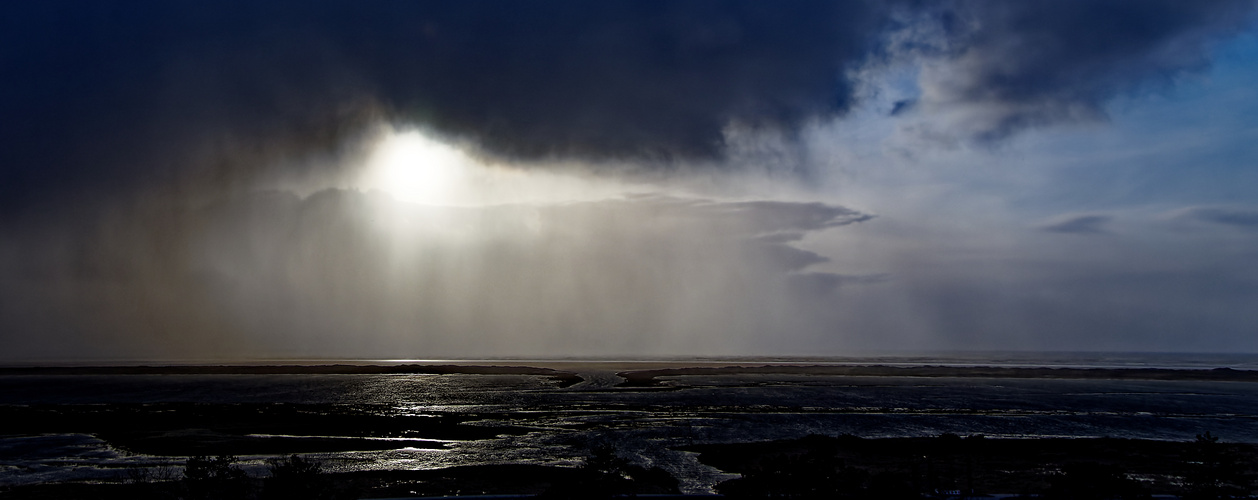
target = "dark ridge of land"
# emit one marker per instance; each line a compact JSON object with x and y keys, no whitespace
{"x":1048,"y":467}
{"x":184,"y":429}
{"x":515,"y":480}
{"x":564,"y":378}
{"x":649,"y":378}
{"x":843,"y":467}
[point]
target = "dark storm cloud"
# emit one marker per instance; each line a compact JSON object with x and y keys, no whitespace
{"x":102,"y":95}
{"x":99,"y":93}
{"x":1020,"y":64}
{"x":1078,"y":224}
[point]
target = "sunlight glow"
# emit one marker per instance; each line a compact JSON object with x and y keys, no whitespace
{"x":415,"y":168}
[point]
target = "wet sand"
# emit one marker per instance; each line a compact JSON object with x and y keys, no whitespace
{"x":175,"y":429}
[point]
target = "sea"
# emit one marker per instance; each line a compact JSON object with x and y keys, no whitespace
{"x":653,"y":426}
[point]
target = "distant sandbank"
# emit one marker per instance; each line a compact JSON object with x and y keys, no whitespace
{"x":565,"y":378}
{"x":648,"y":374}
{"x":650,"y":378}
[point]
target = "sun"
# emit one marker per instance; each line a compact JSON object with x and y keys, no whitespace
{"x":414,"y":167}
{"x":417,"y":169}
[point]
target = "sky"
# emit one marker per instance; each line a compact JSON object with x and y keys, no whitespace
{"x":432,"y":180}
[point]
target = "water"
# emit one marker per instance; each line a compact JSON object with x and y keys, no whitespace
{"x":645,"y":426}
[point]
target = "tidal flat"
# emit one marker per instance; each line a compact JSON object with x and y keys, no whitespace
{"x":664,"y":426}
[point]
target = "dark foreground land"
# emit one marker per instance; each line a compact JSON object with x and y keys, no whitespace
{"x":299,"y":478}
{"x":947,"y":466}
{"x":851,"y":467}
{"x":295,"y":434}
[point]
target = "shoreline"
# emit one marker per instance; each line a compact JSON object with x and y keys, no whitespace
{"x":565,"y":378}
{"x":648,"y":373}
{"x":650,"y":378}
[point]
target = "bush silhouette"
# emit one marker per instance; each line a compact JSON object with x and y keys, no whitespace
{"x":816,"y":474}
{"x":605,"y":475}
{"x":1215,"y":472}
{"x":214,"y":478}
{"x":1089,"y":481}
{"x":296,"y":477}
